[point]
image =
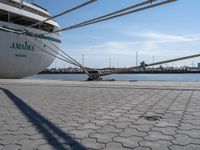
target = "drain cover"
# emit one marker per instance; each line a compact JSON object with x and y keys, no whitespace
{"x":151,"y":118}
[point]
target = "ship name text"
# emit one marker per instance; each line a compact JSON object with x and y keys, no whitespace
{"x":22,"y":46}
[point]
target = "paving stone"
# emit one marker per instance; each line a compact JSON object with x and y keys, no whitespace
{"x":89,"y":126}
{"x":100,"y":122}
{"x":132,"y":132}
{"x":156,"y":145}
{"x":67,"y":129}
{"x":8,"y":139}
{"x":45,"y":147}
{"x":19,"y":132}
{"x":129,"y":142}
{"x":192,"y":133}
{"x":82,"y":133}
{"x":104,"y":137}
{"x":187,"y":147}
{"x":194,"y":113}
{"x":166,"y":130}
{"x":154,"y":135}
{"x":36,"y":137}
{"x":142,"y":127}
{"x":92,"y":143}
{"x":166,"y":124}
{"x":30,"y":131}
{"x":10,"y":127}
{"x":114,"y":146}
{"x":29,"y":144}
{"x":185,"y":140}
{"x":193,"y":122}
{"x":124,"y":119}
{"x":120,"y":125}
{"x":190,"y":117}
{"x":142,"y":148}
{"x":81,"y":120}
{"x":11,"y":147}
{"x":170,"y":115}
{"x":188,"y":126}
{"x":142,"y":121}
{"x":72,"y":124}
{"x":109,"y":128}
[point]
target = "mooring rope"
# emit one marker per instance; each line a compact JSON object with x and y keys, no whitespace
{"x":111,"y":16}
{"x":63,"y":13}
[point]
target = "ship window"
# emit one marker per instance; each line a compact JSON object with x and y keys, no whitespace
{"x":3,"y":15}
{"x":25,"y":21}
{"x":46,"y":27}
{"x":21,"y":20}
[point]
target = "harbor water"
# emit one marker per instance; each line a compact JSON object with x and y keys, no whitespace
{"x":129,"y":77}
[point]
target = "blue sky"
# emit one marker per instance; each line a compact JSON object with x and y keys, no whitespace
{"x":164,"y":32}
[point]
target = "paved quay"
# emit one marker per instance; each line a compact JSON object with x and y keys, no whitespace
{"x":110,"y":115}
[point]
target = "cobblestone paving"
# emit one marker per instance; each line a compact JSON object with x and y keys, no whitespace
{"x":65,"y":117}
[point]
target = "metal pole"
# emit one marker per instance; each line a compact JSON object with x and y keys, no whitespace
{"x":83,"y":59}
{"x":153,"y":61}
{"x":117,"y":64}
{"x":136,"y":59}
{"x":109,"y":62}
{"x":55,"y":65}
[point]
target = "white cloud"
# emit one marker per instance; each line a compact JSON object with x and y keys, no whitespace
{"x":164,"y":38}
{"x":148,"y":43}
{"x":158,"y":37}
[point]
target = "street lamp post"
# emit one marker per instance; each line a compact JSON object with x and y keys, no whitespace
{"x":83,"y":59}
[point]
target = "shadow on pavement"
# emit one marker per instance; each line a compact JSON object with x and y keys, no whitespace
{"x":57,"y":138}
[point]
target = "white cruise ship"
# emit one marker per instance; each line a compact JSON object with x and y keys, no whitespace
{"x":25,"y":50}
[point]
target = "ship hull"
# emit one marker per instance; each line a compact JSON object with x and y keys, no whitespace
{"x":23,"y":55}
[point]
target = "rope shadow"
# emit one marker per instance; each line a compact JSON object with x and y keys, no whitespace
{"x":57,"y":138}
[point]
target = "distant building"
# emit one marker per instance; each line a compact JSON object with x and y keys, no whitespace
{"x":199,"y":65}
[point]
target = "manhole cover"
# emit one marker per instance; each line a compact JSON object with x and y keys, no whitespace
{"x":151,"y":118}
